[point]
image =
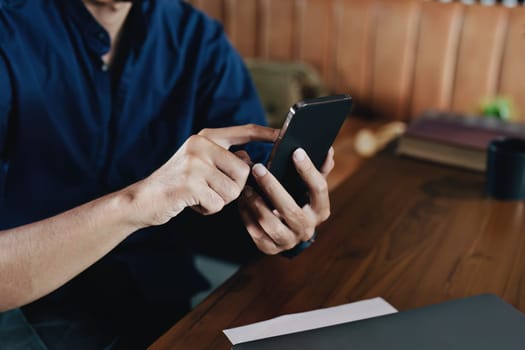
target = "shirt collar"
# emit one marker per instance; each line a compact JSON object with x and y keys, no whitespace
{"x":96,"y":37}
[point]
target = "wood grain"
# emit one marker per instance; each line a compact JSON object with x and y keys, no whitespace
{"x":479,"y":57}
{"x":395,"y":57}
{"x":315,"y":35}
{"x":277,"y":29}
{"x":411,"y":232}
{"x":354,"y":33}
{"x":396,"y":28}
{"x":512,"y":76}
{"x":437,"y":51}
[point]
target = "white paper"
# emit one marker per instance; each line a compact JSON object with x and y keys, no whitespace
{"x":303,"y":321}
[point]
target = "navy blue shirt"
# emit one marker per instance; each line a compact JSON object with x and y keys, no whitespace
{"x":72,"y":129}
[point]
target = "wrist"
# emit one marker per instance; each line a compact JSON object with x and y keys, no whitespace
{"x":131,"y":202}
{"x":149,"y":204}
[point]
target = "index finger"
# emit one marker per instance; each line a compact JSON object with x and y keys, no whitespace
{"x":240,"y":135}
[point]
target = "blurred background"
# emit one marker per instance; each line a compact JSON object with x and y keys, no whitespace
{"x":398,"y":59}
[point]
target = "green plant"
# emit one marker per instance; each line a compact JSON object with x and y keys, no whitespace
{"x":498,"y":107}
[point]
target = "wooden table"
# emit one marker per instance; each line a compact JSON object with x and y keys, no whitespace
{"x":411,"y":232}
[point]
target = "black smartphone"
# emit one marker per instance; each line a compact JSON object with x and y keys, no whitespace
{"x":311,"y":124}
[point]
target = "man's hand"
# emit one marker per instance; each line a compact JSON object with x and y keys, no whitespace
{"x":202,"y":174}
{"x":38,"y":258}
{"x":274,"y":231}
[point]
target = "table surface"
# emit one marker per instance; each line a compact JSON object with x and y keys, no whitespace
{"x":412,"y":232}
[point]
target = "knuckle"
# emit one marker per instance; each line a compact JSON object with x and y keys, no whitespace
{"x":232,"y":193}
{"x":192,"y":162}
{"x":327,"y":168}
{"x":265,"y":246}
{"x":308,"y":229}
{"x":297,"y":214}
{"x":212,"y":203}
{"x":204,"y":132}
{"x":194,"y":143}
{"x":289,"y":245}
{"x":255,"y":233}
{"x":305,"y":166}
{"x":325,"y":214}
{"x":215,"y":207}
{"x":244,"y":170}
{"x":193,"y":139}
{"x":309,"y":232}
{"x":273,"y":250}
{"x":320,"y":187}
{"x":237,"y":190}
{"x":278,"y":234}
{"x":275,"y":229}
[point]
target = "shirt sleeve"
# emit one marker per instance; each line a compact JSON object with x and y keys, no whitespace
{"x":227,"y":94}
{"x":5,"y":103}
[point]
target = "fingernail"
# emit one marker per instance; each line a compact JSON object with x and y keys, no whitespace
{"x":299,"y":155}
{"x":259,"y":170}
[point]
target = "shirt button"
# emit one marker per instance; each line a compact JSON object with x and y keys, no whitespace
{"x":105,"y":67}
{"x":101,"y":35}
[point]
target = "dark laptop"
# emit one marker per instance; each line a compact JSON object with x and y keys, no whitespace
{"x":483,"y":322}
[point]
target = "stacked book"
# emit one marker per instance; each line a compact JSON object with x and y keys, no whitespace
{"x":453,"y":139}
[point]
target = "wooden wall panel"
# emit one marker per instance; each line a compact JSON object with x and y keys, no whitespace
{"x":393,"y":60}
{"x":277,"y":34}
{"x":436,"y":54}
{"x":396,"y":57}
{"x":213,"y":8}
{"x":242,"y":24}
{"x":512,"y":81}
{"x":479,"y":58}
{"x":354,"y":21}
{"x":315,"y":32}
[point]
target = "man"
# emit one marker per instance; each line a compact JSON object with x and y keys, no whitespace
{"x":114,"y":118}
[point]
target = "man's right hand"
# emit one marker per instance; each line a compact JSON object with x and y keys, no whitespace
{"x":203,"y":174}
{"x":39,"y":257}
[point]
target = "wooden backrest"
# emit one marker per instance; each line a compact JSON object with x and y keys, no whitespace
{"x":395,"y":57}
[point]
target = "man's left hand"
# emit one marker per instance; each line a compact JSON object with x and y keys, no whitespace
{"x":282,"y":228}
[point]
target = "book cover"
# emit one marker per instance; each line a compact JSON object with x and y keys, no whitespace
{"x":454,"y":139}
{"x":482,"y":322}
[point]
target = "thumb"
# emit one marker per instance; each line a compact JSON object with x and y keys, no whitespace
{"x":240,"y":135}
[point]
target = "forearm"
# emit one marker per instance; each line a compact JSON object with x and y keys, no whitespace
{"x":39,"y":257}
{"x":36,"y":259}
